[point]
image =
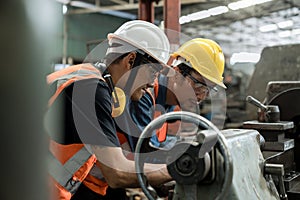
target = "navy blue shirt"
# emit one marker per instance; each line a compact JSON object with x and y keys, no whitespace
{"x":142,"y":111}
{"x":84,"y":111}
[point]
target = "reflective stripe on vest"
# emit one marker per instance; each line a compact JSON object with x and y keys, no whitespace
{"x":64,"y":173}
{"x":69,"y":75}
{"x":79,"y":165}
{"x":96,"y":172}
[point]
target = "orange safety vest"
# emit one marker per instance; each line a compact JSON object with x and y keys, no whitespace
{"x":71,"y":165}
{"x":166,"y":128}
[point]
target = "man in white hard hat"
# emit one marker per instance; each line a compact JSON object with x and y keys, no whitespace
{"x":86,"y":155}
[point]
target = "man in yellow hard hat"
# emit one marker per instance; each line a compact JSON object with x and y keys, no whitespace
{"x":200,"y":63}
{"x":86,"y":157}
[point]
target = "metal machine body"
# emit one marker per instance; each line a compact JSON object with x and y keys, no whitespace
{"x":278,"y":149}
{"x":233,"y":168}
{"x":248,"y":178}
{"x":262,"y":160}
{"x":282,"y":141}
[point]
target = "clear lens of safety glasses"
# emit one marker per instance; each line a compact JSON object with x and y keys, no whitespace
{"x":199,"y":84}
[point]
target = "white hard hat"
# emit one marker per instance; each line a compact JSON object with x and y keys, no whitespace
{"x":145,"y":36}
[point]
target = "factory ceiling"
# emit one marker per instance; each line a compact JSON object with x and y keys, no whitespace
{"x":235,"y":29}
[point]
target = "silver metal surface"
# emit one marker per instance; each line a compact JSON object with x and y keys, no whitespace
{"x":283,"y":145}
{"x":248,"y":182}
{"x":277,"y":170}
{"x":276,"y":87}
{"x":279,"y":126}
{"x":255,"y":102}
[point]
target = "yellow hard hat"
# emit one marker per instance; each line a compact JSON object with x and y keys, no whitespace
{"x":206,"y":57}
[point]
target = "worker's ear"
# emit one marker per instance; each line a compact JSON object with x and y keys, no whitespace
{"x":178,"y":76}
{"x":129,"y":59}
{"x":177,"y":73}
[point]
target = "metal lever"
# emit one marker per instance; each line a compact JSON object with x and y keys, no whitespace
{"x":255,"y":102}
{"x":277,"y":170}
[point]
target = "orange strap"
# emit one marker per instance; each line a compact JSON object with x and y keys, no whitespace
{"x":68,"y":70}
{"x":95,"y":184}
{"x":67,"y":83}
{"x":122,"y":138}
{"x":173,"y":128}
{"x":155,"y":87}
{"x":162,"y":132}
{"x":81,"y":74}
{"x":167,"y":128}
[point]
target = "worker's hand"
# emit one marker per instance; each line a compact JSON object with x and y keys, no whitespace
{"x":164,"y":190}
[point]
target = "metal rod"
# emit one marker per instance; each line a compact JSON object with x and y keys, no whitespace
{"x":255,"y":102}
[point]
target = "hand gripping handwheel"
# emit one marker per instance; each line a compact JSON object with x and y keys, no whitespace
{"x":188,"y":160}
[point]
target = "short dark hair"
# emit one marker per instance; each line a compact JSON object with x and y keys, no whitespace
{"x":114,"y":58}
{"x":184,"y":69}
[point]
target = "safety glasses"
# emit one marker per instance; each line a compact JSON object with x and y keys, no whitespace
{"x":201,"y":85}
{"x":149,"y":60}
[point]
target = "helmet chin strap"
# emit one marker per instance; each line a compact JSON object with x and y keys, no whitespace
{"x":118,"y":97}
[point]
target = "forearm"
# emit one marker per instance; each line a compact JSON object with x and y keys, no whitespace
{"x":120,"y":172}
{"x":157,"y":174}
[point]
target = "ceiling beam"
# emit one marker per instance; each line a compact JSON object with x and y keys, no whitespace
{"x":123,"y":6}
{"x":121,"y":2}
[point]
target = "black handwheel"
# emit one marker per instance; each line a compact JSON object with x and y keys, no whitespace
{"x":190,"y":118}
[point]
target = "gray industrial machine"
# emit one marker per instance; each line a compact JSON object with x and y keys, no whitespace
{"x":260,"y":161}
{"x":280,"y":64}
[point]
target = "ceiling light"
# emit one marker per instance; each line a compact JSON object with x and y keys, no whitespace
{"x":194,"y":16}
{"x":218,"y":10}
{"x":268,"y":28}
{"x":184,"y":19}
{"x":64,"y":9}
{"x":285,"y":24}
{"x":296,"y":31}
{"x":245,"y":3}
{"x":261,"y":1}
{"x":243,"y":57}
{"x":240,"y":4}
{"x":284,"y":34}
{"x":63,"y":1}
{"x":82,"y":4}
{"x":199,"y":15}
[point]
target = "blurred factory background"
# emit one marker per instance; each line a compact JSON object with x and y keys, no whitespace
{"x":260,"y":39}
{"x":239,"y":26}
{"x":242,"y":28}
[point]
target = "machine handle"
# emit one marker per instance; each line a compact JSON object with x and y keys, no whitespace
{"x":255,"y":102}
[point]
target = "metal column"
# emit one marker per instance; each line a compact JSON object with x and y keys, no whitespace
{"x":146,"y":10}
{"x":172,"y":10}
